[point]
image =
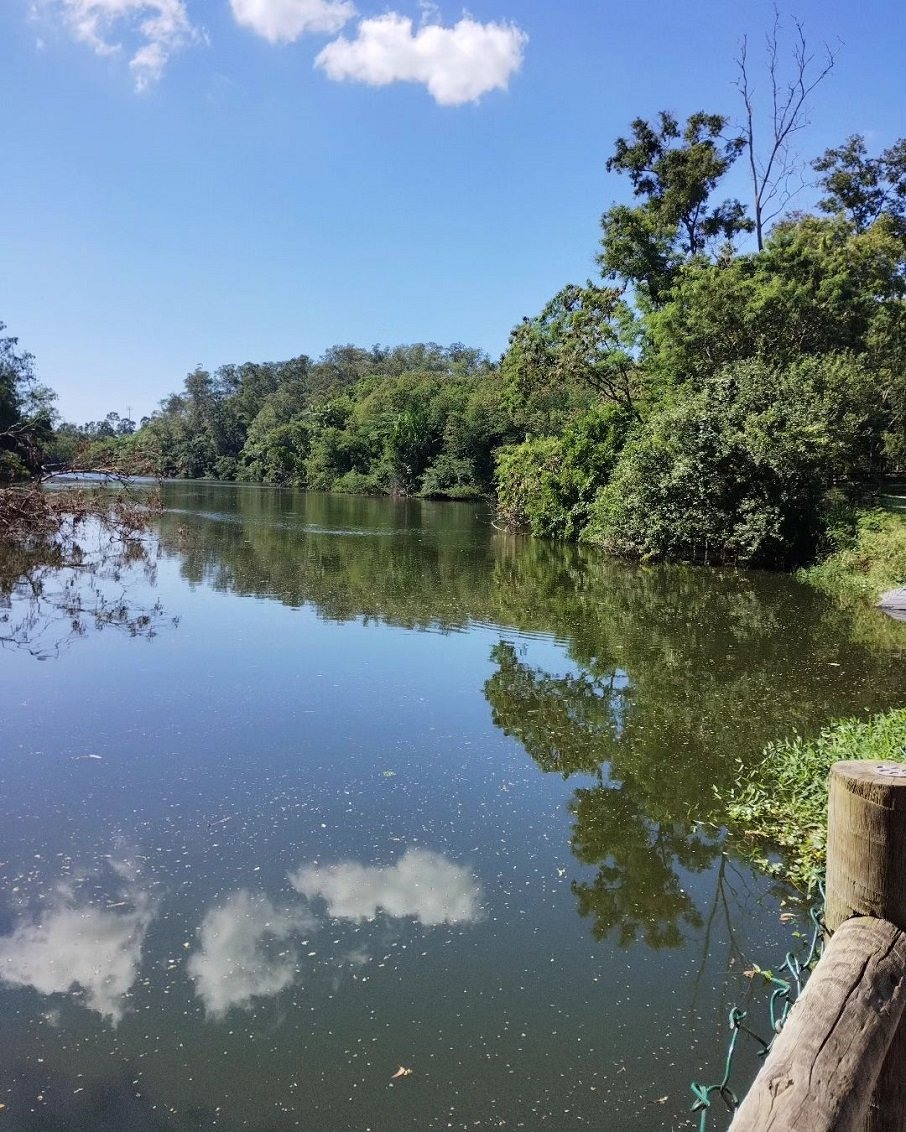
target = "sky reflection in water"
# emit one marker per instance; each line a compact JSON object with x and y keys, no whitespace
{"x":416,"y":795}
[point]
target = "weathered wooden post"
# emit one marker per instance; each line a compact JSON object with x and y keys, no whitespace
{"x":839,"y":1064}
{"x":866,"y":876}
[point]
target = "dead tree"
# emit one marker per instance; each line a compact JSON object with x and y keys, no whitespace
{"x":774,"y":165}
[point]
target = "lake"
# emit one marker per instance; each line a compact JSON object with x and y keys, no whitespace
{"x":381,"y":819}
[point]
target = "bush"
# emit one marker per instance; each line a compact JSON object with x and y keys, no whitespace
{"x":872,"y":559}
{"x":450,"y":477}
{"x":741,"y":469}
{"x":549,"y":484}
{"x":12,"y":469}
{"x":357,"y":483}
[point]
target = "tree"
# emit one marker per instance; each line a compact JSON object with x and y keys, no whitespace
{"x":675,"y":171}
{"x":864,"y":188}
{"x":742,"y":469}
{"x":584,"y":334}
{"x":817,"y":287}
{"x":26,"y":412}
{"x":548,"y":484}
{"x":773,"y":165}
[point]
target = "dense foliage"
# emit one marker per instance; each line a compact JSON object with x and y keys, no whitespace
{"x":26,"y":413}
{"x":418,"y":419}
{"x":870,"y":559}
{"x":761,"y":396}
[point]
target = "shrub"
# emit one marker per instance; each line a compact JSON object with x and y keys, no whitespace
{"x":782,"y":802}
{"x":450,"y":477}
{"x":741,"y":469}
{"x":549,"y":484}
{"x":871,"y":561}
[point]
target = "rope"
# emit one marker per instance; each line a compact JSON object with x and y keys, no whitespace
{"x":786,"y":990}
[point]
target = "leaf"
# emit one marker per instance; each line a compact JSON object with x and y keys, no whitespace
{"x":401,"y":1072}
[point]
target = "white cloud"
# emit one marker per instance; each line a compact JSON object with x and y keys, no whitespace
{"x":79,"y":947}
{"x":286,"y":20}
{"x":457,"y":64}
{"x":243,"y":951}
{"x":421,"y":884}
{"x":155,"y":30}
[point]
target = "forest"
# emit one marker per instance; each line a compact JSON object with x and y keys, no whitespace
{"x":730,"y":389}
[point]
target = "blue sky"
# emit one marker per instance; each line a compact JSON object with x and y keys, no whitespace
{"x":218,"y":181}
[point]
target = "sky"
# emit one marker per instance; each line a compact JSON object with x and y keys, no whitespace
{"x":210,"y":181}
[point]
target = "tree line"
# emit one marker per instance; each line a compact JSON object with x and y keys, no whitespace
{"x":697,"y":401}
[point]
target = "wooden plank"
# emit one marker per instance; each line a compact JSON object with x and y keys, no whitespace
{"x":888,"y":1104}
{"x":821,"y":1072}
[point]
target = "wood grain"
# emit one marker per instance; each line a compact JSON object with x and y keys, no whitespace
{"x":821,"y":1073}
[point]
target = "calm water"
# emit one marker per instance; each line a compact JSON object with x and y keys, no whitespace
{"x":394,"y":791}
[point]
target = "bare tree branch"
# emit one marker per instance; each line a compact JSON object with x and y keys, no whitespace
{"x":773,"y":165}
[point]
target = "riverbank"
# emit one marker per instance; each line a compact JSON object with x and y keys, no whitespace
{"x":781,"y":806}
{"x":873,"y":562}
{"x":779,"y":809}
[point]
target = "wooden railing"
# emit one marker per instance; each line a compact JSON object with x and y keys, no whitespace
{"x":839,"y":1064}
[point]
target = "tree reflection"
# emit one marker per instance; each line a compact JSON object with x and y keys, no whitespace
{"x":71,"y":562}
{"x":575,"y":724}
{"x":568,"y":724}
{"x":675,"y":675}
{"x":636,"y":892}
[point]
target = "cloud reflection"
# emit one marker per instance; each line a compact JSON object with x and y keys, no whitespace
{"x":421,"y":884}
{"x":77,"y":947}
{"x":243,"y":952}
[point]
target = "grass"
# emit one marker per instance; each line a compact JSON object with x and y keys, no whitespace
{"x":779,"y":808}
{"x":874,"y":561}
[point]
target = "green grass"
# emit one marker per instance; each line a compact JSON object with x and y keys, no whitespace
{"x":875,"y":560}
{"x":779,"y":809}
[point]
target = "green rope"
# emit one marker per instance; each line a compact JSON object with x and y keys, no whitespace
{"x":783,"y":997}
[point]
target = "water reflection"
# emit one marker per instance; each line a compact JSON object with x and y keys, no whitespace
{"x":84,"y":576}
{"x":574,"y":724}
{"x":422,"y":885}
{"x":246,"y":951}
{"x":672,"y":676}
{"x":367,"y":847}
{"x":248,"y":947}
{"x":637,"y":892}
{"x":74,"y":946}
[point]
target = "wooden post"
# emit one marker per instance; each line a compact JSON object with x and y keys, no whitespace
{"x":820,"y":1074}
{"x":866,"y":842}
{"x":866,"y":876}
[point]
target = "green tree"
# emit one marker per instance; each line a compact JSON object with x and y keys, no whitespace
{"x":585,"y":335}
{"x":819,"y":286}
{"x":675,"y":171}
{"x":740,"y":470}
{"x":549,"y":484}
{"x":27,"y":412}
{"x":864,"y":189}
